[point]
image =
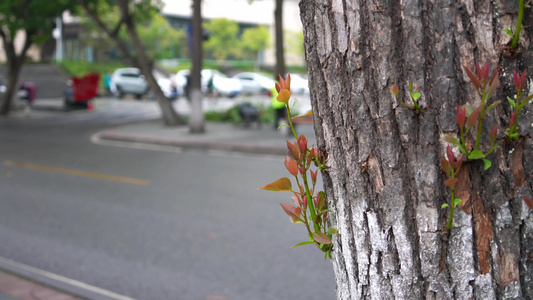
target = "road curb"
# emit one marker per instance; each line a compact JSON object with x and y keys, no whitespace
{"x":54,"y":281}
{"x":190,"y":144}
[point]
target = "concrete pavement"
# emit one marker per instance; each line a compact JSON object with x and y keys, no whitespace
{"x":23,"y":282}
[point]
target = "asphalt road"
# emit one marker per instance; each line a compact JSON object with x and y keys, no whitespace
{"x":149,"y":224}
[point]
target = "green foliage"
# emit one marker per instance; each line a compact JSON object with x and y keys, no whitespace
{"x":160,"y":40}
{"x":310,"y":206}
{"x":255,"y":39}
{"x":414,"y":94}
{"x":34,"y":16}
{"x":468,"y":117}
{"x":223,"y":41}
{"x":451,"y":167}
{"x":517,"y":106}
{"x":231,"y":115}
{"x":514,"y":41}
{"x":293,"y":42}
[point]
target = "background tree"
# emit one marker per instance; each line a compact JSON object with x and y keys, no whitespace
{"x":254,"y":40}
{"x":160,"y":39}
{"x":294,"y":43}
{"x":31,"y":19}
{"x":132,"y":12}
{"x":223,"y":41}
{"x":280,"y":48}
{"x":196,"y":124}
{"x":385,"y":185}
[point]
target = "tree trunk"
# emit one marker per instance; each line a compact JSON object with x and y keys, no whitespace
{"x":14,"y":66}
{"x":280,"y":49}
{"x":196,"y":123}
{"x":385,"y":185}
{"x":170,"y":117}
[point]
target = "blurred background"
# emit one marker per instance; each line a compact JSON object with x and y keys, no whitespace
{"x":134,"y":141}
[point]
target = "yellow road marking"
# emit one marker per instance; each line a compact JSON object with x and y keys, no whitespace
{"x":77,"y":173}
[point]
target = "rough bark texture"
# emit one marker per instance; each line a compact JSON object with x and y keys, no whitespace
{"x":385,"y":186}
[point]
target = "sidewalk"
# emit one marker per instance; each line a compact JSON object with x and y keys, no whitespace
{"x":16,"y":288}
{"x":258,"y":139}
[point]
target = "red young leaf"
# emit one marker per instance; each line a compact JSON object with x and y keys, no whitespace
{"x":472,"y":119}
{"x":288,"y":82}
{"x":282,"y":184}
{"x":445,"y":165}
{"x":494,"y":75}
{"x":321,"y":237}
{"x":451,"y":156}
{"x":528,"y":201}
{"x":472,"y":77}
{"x":281,"y":82}
{"x":460,"y":117}
{"x":450,"y":182}
{"x":291,"y":210}
{"x":302,"y":143}
{"x":394,"y":89}
{"x":313,"y":176}
{"x":291,"y":166}
{"x":493,"y":85}
{"x":284,"y":96}
{"x":293,"y":151}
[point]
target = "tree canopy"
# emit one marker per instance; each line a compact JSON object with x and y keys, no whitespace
{"x":223,"y":41}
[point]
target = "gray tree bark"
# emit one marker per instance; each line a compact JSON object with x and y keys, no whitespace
{"x":196,"y":122}
{"x":385,"y":185}
{"x":280,"y":48}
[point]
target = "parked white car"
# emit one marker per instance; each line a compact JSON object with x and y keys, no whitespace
{"x":255,"y":83}
{"x":131,"y":81}
{"x":299,"y":85}
{"x":128,"y":81}
{"x":222,"y":84}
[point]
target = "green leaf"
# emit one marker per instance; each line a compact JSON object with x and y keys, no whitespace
{"x":333,"y":231}
{"x":511,"y":101}
{"x":468,"y":109}
{"x":451,"y":139}
{"x":476,"y":154}
{"x":462,"y":149}
{"x":488,"y":163}
{"x":444,"y":205}
{"x":303,"y":243}
{"x":492,"y":106}
{"x":321,"y":237}
{"x":284,"y":125}
{"x":509,"y":31}
{"x":415,"y":96}
{"x":457,"y":201}
{"x":282,"y":184}
{"x":327,"y":255}
{"x":527,"y":99}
